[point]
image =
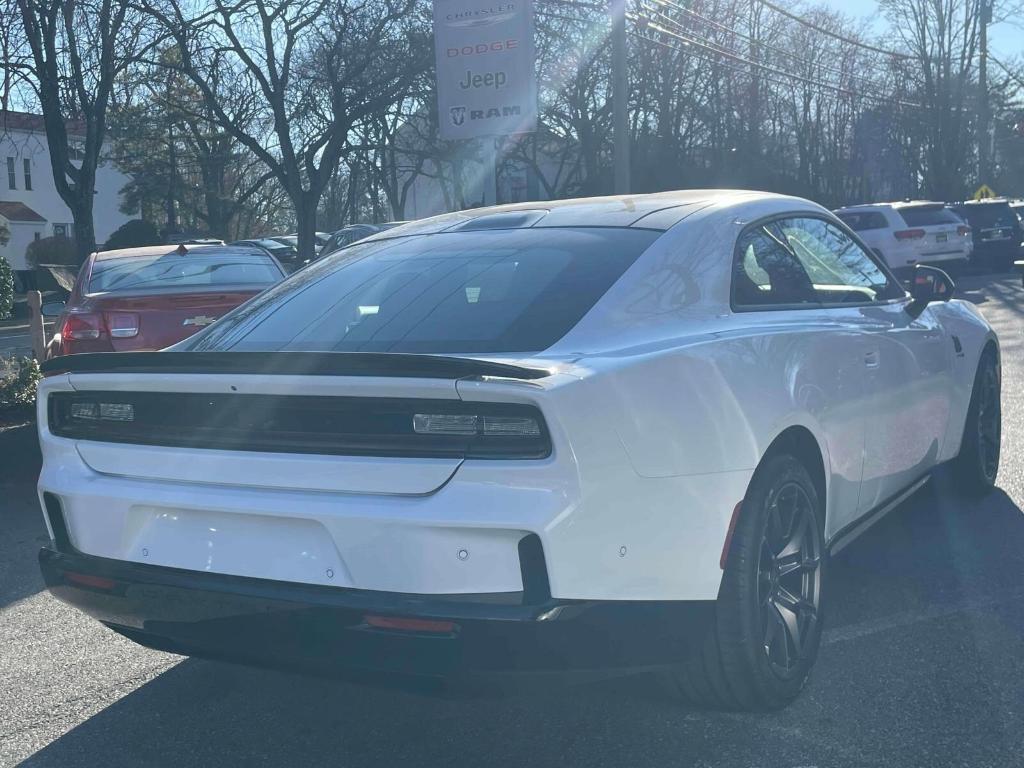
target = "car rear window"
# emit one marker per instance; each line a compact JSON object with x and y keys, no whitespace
{"x":860,"y":221}
{"x":195,"y":269}
{"x":928,"y":216}
{"x":517,"y":290}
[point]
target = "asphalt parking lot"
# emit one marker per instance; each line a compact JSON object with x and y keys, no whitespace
{"x":922,"y":662}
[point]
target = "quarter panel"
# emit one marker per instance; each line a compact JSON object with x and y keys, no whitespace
{"x":717,"y":405}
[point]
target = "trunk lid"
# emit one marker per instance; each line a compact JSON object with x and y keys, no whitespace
{"x":335,"y":422}
{"x":162,"y":319}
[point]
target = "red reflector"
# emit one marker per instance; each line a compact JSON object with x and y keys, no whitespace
{"x":411,"y":625}
{"x":88,"y":580}
{"x":909,"y":234}
{"x":728,"y":535}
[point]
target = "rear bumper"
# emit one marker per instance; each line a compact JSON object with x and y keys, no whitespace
{"x":325,"y":629}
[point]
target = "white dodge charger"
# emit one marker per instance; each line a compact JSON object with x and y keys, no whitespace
{"x":580,"y":435}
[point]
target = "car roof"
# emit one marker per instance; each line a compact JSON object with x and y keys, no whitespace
{"x":896,"y":205}
{"x":660,"y":210}
{"x":262,"y":242}
{"x":986,"y":201}
{"x":167,"y":250}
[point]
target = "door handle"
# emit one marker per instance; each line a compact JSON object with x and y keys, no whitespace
{"x":871,"y":359}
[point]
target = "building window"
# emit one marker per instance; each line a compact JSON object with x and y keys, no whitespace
{"x":60,"y":230}
{"x":28,"y":174}
{"x":12,"y":180}
{"x":37,"y":235}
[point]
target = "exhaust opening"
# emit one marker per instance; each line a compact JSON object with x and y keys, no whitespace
{"x":55,"y":515}
{"x":534,"y":570}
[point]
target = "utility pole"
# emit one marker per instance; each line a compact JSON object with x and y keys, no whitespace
{"x":984,"y":160}
{"x":620,"y":87}
{"x":172,"y":215}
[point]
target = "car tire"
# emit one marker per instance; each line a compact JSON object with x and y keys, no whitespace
{"x":977,"y":465}
{"x":759,"y":651}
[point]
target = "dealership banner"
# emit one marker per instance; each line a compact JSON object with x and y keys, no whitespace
{"x":486,"y":81}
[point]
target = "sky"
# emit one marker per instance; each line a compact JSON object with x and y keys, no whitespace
{"x":1005,"y":40}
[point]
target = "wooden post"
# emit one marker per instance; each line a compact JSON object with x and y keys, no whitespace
{"x":35,"y":324}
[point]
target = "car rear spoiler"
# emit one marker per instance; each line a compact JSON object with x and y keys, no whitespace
{"x":389,"y":364}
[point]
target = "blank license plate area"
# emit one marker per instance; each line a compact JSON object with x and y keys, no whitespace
{"x":259,"y":546}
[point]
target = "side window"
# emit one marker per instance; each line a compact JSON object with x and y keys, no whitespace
{"x":840,"y":270}
{"x":877,"y":221}
{"x":767,"y":271}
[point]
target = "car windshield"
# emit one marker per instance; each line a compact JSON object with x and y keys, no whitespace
{"x":496,"y":291}
{"x":928,"y":216}
{"x":194,"y":269}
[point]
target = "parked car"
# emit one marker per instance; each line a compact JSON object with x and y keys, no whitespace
{"x":152,"y":297}
{"x":354,"y":233}
{"x":1017,"y":206}
{"x":293,"y":240}
{"x":910,"y":233}
{"x":576,"y":434}
{"x":997,"y":232}
{"x":286,"y":254}
{"x":181,"y":239}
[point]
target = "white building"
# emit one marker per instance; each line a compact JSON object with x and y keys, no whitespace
{"x":30,"y":207}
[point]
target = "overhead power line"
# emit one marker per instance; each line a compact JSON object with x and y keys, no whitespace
{"x":1009,"y":72}
{"x":758,"y":42}
{"x":818,"y":28}
{"x":689,"y":40}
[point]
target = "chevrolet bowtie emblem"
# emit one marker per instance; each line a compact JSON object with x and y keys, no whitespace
{"x":198,"y":320}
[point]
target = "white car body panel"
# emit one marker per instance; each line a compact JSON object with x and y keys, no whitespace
{"x":661,"y":404}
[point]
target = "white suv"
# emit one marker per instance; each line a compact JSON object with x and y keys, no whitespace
{"x":910,"y":233}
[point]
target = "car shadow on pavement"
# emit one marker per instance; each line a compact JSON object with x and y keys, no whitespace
{"x":22,"y":530}
{"x":923,"y":649}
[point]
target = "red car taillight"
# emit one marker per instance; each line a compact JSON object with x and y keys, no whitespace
{"x":963,"y":230}
{"x":81,"y":326}
{"x":909,"y":234}
{"x":123,"y":325}
{"x":84,"y":332}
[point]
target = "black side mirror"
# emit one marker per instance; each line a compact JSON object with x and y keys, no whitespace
{"x":928,"y":284}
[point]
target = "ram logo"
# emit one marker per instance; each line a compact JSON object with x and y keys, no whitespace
{"x":458,"y":115}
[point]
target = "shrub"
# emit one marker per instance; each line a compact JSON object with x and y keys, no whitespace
{"x":133,"y":234}
{"x":18,"y":388}
{"x":52,"y":250}
{"x":6,"y":289}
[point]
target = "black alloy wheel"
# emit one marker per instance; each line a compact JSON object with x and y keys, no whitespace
{"x":760,"y":649}
{"x":989,"y":423}
{"x":977,"y":465}
{"x":788,"y":578}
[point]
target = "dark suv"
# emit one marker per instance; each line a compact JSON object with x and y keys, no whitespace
{"x":996,"y":230}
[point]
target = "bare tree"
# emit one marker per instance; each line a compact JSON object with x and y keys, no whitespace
{"x":943,"y":37}
{"x":306,"y":70}
{"x":78,"y":48}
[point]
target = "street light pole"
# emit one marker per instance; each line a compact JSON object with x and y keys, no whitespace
{"x":620,"y":86}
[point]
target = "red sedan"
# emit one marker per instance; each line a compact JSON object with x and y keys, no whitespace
{"x":150,"y":298}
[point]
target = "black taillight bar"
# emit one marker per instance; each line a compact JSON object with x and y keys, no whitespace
{"x":344,"y":426}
